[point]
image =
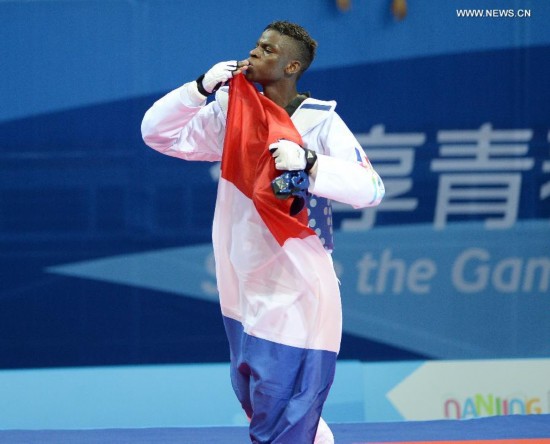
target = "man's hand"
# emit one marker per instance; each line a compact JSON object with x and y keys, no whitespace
{"x":219,"y":74}
{"x":289,"y":156}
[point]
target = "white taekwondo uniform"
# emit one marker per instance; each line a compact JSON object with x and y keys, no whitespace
{"x":284,"y":330}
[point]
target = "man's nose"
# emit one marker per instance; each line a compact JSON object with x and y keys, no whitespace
{"x":253,"y":52}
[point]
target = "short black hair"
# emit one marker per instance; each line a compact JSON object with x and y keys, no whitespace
{"x":306,"y":45}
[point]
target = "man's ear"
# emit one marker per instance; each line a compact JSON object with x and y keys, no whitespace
{"x":293,"y":67}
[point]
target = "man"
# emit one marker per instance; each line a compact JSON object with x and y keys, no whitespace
{"x":279,"y":294}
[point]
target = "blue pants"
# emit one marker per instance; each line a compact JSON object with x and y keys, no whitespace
{"x":281,"y":388}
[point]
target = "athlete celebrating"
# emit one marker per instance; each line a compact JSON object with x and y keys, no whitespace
{"x":279,"y":293}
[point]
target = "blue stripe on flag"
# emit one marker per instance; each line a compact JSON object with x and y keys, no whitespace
{"x":286,"y":385}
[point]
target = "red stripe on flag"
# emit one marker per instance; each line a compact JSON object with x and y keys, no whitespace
{"x":253,"y":123}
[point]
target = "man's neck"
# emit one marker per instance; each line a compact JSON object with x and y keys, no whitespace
{"x":281,"y":96}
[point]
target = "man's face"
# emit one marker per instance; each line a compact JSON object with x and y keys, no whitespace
{"x":269,"y":58}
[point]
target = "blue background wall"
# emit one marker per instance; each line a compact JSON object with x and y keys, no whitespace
{"x":104,"y":244}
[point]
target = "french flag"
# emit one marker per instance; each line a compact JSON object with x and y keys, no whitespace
{"x":276,"y":281}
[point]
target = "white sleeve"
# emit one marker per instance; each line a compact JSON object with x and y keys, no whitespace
{"x":180,"y":124}
{"x":344,"y":173}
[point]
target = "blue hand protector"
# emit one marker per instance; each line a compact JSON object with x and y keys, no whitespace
{"x":292,"y":184}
